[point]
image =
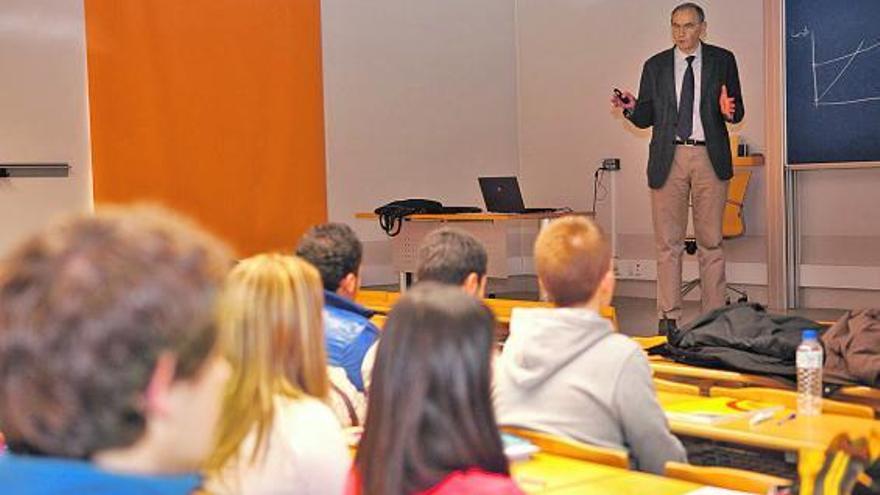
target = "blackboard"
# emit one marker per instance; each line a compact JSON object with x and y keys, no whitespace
{"x":832,"y":65}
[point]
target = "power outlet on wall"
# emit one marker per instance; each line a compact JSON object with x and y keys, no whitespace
{"x":611,"y":164}
{"x":635,"y":269}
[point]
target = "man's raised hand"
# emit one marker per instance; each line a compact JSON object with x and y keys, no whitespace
{"x":726,"y":103}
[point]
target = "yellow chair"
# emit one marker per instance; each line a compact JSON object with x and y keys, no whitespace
{"x":733,"y":225}
{"x":860,"y":394}
{"x":382,"y":301}
{"x":788,"y":398}
{"x":648,"y":342}
{"x":379,"y":320}
{"x":553,"y":444}
{"x":379,"y":301}
{"x":504,"y":307}
{"x":730,"y":478}
{"x":675,"y":387}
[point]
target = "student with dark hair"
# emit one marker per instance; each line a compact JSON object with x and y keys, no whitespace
{"x":452,"y":256}
{"x":430,"y":424}
{"x":565,"y":371}
{"x":110,"y":380}
{"x":334,"y":249}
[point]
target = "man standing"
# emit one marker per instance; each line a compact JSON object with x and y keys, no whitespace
{"x":688,"y":94}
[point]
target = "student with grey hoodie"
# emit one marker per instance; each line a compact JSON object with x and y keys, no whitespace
{"x":566,"y":372}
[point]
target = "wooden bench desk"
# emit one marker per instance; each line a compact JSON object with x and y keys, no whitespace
{"x":705,"y":377}
{"x":708,"y":377}
{"x":634,"y":483}
{"x":382,"y":301}
{"x":548,"y":473}
{"x":790,"y":436}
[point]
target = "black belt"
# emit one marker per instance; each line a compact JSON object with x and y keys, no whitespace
{"x":689,"y":142}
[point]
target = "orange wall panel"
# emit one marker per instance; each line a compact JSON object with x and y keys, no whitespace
{"x":213,"y":107}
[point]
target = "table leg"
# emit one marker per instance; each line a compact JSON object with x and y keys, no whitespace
{"x":405,"y":280}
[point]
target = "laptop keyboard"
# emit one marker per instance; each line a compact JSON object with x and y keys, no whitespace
{"x":701,"y":452}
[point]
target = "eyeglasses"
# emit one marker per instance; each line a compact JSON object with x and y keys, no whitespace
{"x":685,"y":27}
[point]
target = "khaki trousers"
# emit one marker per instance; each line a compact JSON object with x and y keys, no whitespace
{"x":691,"y":178}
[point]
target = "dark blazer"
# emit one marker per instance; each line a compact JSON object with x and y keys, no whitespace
{"x":656,"y":106}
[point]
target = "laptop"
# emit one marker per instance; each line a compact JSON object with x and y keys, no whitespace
{"x":502,"y":195}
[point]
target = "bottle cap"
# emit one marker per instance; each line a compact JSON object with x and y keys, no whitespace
{"x":810,"y":334}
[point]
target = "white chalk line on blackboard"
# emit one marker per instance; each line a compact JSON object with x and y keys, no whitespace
{"x":849,"y":57}
{"x":839,"y":74}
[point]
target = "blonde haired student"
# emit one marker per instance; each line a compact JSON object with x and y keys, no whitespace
{"x":276,"y":434}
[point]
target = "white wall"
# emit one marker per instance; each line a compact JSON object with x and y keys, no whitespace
{"x":571,"y":54}
{"x":43,"y":112}
{"x":839,"y":233}
{"x":420,"y":100}
{"x":423,"y":97}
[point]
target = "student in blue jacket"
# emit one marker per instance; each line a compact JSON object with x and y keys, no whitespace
{"x":335,"y":250}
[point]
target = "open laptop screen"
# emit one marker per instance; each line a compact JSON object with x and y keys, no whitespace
{"x":501,"y":194}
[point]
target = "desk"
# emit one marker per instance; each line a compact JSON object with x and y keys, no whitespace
{"x":860,"y":394}
{"x":799,"y":433}
{"x":707,"y":377}
{"x":489,"y":228}
{"x":547,"y":473}
{"x":663,"y":367}
{"x":633,"y":483}
{"x":382,"y":301}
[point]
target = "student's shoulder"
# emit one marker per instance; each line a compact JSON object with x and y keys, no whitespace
{"x":308,"y":425}
{"x":622,"y":343}
{"x":305,"y":411}
{"x":625,"y":353}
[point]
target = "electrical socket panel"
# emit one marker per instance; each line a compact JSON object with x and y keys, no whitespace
{"x":635,"y":269}
{"x":611,"y":164}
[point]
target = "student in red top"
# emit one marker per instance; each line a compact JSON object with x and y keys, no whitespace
{"x":430,"y":425}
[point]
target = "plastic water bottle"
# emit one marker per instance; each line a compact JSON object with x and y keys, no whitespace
{"x":809,"y":375}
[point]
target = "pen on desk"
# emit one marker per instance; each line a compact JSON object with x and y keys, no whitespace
{"x":789,"y":417}
{"x":761,"y":417}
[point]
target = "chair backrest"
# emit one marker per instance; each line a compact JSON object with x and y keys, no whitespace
{"x":571,"y":448}
{"x":379,"y":320}
{"x":730,"y":478}
{"x":379,"y":301}
{"x":788,"y":398}
{"x":649,"y":342}
{"x":733,"y":225}
{"x":503,"y":308}
{"x":676,"y":387}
